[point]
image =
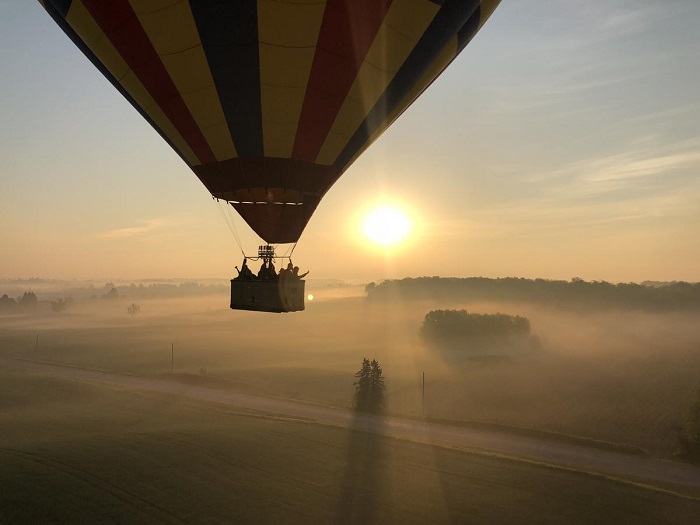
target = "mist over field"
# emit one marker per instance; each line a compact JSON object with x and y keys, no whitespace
{"x":166,"y":434}
{"x":619,"y":376}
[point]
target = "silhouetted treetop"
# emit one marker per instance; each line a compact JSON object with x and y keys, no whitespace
{"x":112,"y":294}
{"x":60,"y":305}
{"x":369,"y":387}
{"x":7,"y":303}
{"x":576,"y":293}
{"x":28,"y":299}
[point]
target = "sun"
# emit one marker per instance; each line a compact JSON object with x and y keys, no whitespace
{"x":386,"y":226}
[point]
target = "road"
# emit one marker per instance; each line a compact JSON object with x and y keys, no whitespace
{"x":641,"y":469}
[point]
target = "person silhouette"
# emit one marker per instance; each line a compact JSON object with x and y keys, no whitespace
{"x":295,"y":273}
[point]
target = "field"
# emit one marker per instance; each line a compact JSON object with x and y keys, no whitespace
{"x":620,"y":377}
{"x":73,"y":452}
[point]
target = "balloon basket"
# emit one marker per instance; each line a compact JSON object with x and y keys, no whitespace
{"x":267,"y":296}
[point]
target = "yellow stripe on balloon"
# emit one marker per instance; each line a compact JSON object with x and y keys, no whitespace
{"x":390,"y":49}
{"x":171,"y":29}
{"x":89,"y":31}
{"x":487,"y":9}
{"x":288,"y":33}
{"x":447,"y":55}
{"x":438,"y":65}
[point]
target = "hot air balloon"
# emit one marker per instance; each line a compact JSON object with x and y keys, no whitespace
{"x":270,"y":102}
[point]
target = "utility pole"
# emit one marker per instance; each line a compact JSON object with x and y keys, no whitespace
{"x":424,"y":393}
{"x":36,"y":346}
{"x":172,"y":358}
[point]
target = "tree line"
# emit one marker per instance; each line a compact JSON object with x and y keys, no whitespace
{"x":575,"y":293}
{"x":79,"y":290}
{"x":451,"y":324}
{"x":458,"y":335}
{"x":26,"y":300}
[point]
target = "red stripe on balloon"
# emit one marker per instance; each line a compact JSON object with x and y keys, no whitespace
{"x":348,"y":29}
{"x":121,"y":25}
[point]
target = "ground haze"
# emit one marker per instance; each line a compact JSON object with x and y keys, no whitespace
{"x":618,"y":379}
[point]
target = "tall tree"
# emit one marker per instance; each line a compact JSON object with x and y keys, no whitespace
{"x":377,"y":386}
{"x":369,"y":387}
{"x":363,"y":381}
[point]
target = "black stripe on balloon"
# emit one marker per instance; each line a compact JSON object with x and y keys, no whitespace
{"x":228,"y":30}
{"x":70,"y":33}
{"x":62,"y":6}
{"x":469,"y":29}
{"x":453,"y":15}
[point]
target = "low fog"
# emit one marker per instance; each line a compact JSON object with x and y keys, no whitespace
{"x":623,"y":377}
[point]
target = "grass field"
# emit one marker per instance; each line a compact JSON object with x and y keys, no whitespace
{"x":73,"y":452}
{"x":621,"y":377}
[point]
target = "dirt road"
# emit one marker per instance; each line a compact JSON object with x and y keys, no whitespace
{"x":646,"y":470}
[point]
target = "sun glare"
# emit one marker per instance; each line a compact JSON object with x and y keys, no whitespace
{"x":386,"y":226}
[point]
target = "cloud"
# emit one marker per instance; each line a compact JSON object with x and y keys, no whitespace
{"x":548,"y":217}
{"x":626,"y":166}
{"x":666,"y":114}
{"x":650,"y":185}
{"x":144,"y":229}
{"x":628,"y":17}
{"x":650,"y":159}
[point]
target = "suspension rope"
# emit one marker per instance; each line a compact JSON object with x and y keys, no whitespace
{"x":233,"y":217}
{"x":231,"y":225}
{"x":229,"y":217}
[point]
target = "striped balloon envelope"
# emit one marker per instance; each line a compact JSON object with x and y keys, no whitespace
{"x":270,"y":101}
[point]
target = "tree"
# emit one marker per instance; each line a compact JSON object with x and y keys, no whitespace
{"x":363,"y":382}
{"x":377,"y":385}
{"x":112,"y":294}
{"x":7,"y":303}
{"x":133,"y":310}
{"x":58,"y":306}
{"x":455,"y":324}
{"x":369,"y":387}
{"x":28,"y":300}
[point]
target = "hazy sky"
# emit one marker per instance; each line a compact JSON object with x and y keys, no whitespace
{"x":564,"y":141}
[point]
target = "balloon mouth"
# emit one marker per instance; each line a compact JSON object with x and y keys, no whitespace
{"x":265,"y":202}
{"x":277,"y":223}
